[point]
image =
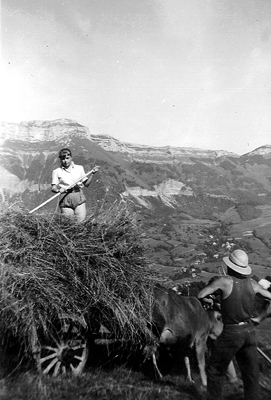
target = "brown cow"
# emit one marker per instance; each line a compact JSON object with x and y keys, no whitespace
{"x":183,"y":321}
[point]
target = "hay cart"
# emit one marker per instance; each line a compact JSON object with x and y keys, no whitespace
{"x":62,"y":284}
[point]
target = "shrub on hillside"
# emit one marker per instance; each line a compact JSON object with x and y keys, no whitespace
{"x":247,"y":212}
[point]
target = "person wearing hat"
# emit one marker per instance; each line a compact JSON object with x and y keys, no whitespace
{"x":73,"y":202}
{"x":238,"y":338}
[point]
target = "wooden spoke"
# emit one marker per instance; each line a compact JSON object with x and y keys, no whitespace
{"x":79,"y":358}
{"x":52,"y":363}
{"x":57,"y":367}
{"x":82,"y":346}
{"x":72,"y":368}
{"x":48,"y":357}
{"x":51,"y":348}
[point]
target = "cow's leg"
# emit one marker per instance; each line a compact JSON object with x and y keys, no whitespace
{"x":200,"y":346}
{"x":188,"y":369}
{"x":155,"y":365}
{"x":150,"y":352}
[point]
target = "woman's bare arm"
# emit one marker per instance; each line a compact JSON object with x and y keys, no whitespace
{"x":259,"y":289}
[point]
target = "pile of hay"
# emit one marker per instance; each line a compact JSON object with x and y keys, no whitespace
{"x":96,"y":269}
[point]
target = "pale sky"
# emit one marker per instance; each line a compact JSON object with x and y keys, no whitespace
{"x":185,"y":73}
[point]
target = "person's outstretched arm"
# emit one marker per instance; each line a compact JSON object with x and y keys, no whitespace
{"x":88,"y":181}
{"x":259,"y":289}
{"x":211,"y":288}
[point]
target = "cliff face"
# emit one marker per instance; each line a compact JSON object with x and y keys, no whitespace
{"x":165,"y":191}
{"x":167,"y":153}
{"x":41,"y":131}
{"x":176,"y":178}
{"x":62,"y":130}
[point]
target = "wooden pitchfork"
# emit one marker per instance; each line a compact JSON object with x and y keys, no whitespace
{"x":68,"y":188}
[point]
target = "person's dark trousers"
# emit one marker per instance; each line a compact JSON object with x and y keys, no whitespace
{"x":239,"y":342}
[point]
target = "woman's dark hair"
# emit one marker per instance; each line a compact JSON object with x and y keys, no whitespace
{"x":64,"y":152}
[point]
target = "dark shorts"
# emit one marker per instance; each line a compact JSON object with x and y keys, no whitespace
{"x":72,"y":200}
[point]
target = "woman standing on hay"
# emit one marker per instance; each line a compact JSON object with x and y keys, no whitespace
{"x":73,"y":202}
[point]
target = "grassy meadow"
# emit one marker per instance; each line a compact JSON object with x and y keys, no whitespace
{"x":113,"y":380}
{"x":97,"y":384}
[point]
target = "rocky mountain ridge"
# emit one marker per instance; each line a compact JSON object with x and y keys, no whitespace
{"x":62,"y":130}
{"x":41,"y":131}
{"x":195,"y":181}
{"x":263,"y":151}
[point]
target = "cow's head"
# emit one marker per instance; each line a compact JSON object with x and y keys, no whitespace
{"x":216,"y":324}
{"x":167,"y":337}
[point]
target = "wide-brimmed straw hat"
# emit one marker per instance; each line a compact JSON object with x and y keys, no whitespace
{"x":238,"y":261}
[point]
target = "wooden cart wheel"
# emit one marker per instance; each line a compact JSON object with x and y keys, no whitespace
{"x":65,"y":351}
